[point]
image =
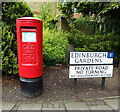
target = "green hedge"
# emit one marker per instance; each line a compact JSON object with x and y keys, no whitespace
{"x":55,"y":46}
{"x":10,"y":12}
{"x":9,"y":60}
{"x":54,"y":43}
{"x":95,"y":42}
{"x":85,"y":25}
{"x":13,"y":10}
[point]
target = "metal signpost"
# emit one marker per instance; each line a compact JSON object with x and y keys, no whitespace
{"x":90,"y":65}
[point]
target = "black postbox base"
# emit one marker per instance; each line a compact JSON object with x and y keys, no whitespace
{"x":31,"y":87}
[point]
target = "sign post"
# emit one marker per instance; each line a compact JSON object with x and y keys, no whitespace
{"x":91,"y":65}
{"x":103,"y":84}
{"x":75,"y":85}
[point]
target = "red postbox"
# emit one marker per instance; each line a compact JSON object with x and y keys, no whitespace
{"x":29,"y":42}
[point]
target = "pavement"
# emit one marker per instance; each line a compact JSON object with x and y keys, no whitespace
{"x":90,"y":105}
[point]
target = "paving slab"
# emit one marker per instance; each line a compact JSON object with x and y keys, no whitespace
{"x":0,"y":104}
{"x":30,"y":107}
{"x":56,"y":105}
{"x":45,"y":105}
{"x":7,"y":106}
{"x":100,"y":107}
{"x":75,"y":106}
{"x":53,"y":107}
{"x":95,"y":102}
{"x":113,"y":103}
{"x":102,"y":111}
{"x":116,"y":110}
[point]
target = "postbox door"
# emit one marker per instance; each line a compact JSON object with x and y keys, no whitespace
{"x":28,"y":47}
{"x":29,"y":41}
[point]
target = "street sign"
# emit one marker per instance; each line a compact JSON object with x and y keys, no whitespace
{"x":91,"y":64}
{"x":91,"y":58}
{"x":90,"y":71}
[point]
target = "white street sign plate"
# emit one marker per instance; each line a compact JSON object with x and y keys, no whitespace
{"x":101,"y":58}
{"x":90,"y":71}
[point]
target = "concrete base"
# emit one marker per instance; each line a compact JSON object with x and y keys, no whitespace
{"x":31,"y":87}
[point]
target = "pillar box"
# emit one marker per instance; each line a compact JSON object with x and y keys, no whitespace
{"x":29,"y":44}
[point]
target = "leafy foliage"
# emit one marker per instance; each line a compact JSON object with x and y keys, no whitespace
{"x":86,"y":8}
{"x":9,"y":61}
{"x":11,"y":11}
{"x":84,"y":24}
{"x":54,"y":43}
{"x":98,"y":29}
{"x":95,"y":42}
{"x":66,"y":9}
{"x":106,"y":14}
{"x":47,"y":16}
{"x":54,"y":46}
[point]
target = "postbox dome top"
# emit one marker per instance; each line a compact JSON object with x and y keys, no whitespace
{"x":29,"y":19}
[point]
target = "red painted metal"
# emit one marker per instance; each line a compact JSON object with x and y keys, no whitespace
{"x":29,"y":52}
